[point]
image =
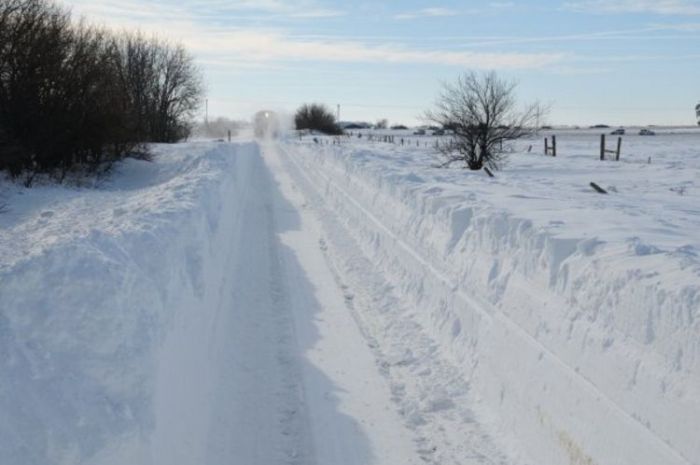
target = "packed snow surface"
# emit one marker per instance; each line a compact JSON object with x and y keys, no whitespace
{"x":345,"y":302}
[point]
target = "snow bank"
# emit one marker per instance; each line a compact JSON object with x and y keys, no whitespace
{"x":106,"y":297}
{"x":576,"y":317}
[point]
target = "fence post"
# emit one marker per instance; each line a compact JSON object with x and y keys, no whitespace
{"x":229,"y":135}
{"x":554,"y":146}
{"x":546,"y":145}
{"x":602,"y":146}
{"x":619,"y":148}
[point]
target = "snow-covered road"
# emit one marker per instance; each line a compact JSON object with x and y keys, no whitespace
{"x":297,"y":382}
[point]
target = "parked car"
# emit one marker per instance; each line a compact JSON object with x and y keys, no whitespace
{"x":647,"y":132}
{"x":618,"y":132}
{"x":420,"y":132}
{"x":439,"y":132}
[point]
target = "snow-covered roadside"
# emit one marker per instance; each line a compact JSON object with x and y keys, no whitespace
{"x":184,"y":314}
{"x":584,"y":348}
{"x":105,"y":299}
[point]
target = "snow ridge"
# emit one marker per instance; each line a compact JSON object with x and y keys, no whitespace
{"x":101,"y":298}
{"x":546,"y":327}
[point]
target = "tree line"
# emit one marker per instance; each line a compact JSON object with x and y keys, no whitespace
{"x":75,"y":97}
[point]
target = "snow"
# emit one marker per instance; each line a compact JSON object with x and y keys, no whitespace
{"x":182,"y":314}
{"x":296,"y":303}
{"x":576,"y":314}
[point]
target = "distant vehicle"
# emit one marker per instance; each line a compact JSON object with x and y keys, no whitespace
{"x":420,"y":132}
{"x":618,"y":132}
{"x":266,"y":124}
{"x":697,"y":112}
{"x":647,"y":132}
{"x":439,"y":132}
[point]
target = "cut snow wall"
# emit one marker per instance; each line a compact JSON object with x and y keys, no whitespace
{"x":586,"y":352}
{"x":103,"y":354}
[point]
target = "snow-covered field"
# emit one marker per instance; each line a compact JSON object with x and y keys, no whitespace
{"x":299,"y":303}
{"x":575,"y":316}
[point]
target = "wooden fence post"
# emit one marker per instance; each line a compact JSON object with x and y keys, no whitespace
{"x":602,"y":146}
{"x":553,"y":148}
{"x":603,"y":149}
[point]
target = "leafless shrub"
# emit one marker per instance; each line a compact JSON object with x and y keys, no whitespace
{"x":316,"y":117}
{"x":481,"y":111}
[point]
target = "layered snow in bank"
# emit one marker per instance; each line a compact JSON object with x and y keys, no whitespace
{"x":106,"y":299}
{"x":574,"y":316}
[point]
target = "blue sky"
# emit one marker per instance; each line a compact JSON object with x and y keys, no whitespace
{"x":594,"y":61}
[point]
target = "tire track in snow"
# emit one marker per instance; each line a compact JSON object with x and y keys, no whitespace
{"x":258,"y":409}
{"x":431,"y":394}
{"x":346,"y":400}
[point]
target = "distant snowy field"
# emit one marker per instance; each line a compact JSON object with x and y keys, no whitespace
{"x":566,"y":322}
{"x":654,"y":188}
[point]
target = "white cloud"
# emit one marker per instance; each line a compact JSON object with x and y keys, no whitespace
{"x":204,"y":8}
{"x":257,"y":46}
{"x":660,"y":7}
{"x":426,"y":13}
{"x":291,"y":8}
{"x":249,"y":45}
{"x":502,"y":5}
{"x":681,"y":27}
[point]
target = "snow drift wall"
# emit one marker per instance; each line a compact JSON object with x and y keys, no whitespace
{"x":103,"y":318}
{"x":588,"y":351}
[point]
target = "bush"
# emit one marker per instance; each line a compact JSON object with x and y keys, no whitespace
{"x":67,"y":93}
{"x":316,"y":117}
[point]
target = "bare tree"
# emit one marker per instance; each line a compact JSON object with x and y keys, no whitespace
{"x":179,"y":94}
{"x":481,"y":111}
{"x":163,"y":87}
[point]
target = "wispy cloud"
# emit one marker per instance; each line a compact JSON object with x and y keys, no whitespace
{"x":660,"y":7}
{"x":502,"y":5}
{"x":261,"y":46}
{"x":205,"y":9}
{"x":271,"y":46}
{"x":427,"y":13}
{"x":680,"y":27}
{"x":291,"y":8}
